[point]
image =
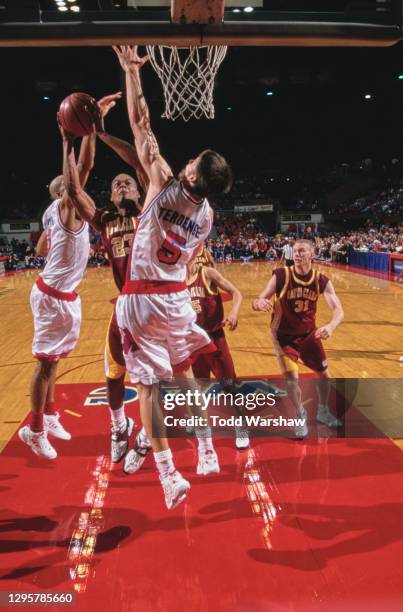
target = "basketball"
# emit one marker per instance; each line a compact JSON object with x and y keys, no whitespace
{"x":78,"y":114}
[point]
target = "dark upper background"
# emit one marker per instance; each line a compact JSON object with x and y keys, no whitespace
{"x":316,"y":117}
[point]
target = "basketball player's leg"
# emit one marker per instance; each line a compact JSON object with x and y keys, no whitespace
{"x":287,"y":355}
{"x":207,"y":457}
{"x":56,"y":331}
{"x":186,"y":341}
{"x":224,"y":370}
{"x":143,"y":327}
{"x":314,"y":357}
{"x":115,"y":369}
{"x":51,"y":416}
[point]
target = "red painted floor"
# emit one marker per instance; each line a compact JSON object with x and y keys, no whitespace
{"x":293,"y":526}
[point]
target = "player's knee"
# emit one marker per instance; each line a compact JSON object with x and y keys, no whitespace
{"x":115,"y":371}
{"x":292,"y":382}
{"x":46,"y":368}
{"x":144,"y":391}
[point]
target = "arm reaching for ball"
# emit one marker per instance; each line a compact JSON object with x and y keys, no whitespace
{"x":155,"y":166}
{"x":76,"y":196}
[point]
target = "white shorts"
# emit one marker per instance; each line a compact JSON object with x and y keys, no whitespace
{"x":56,"y":323}
{"x":159,"y":333}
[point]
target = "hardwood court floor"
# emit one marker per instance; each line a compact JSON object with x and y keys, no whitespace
{"x":367,"y":345}
{"x":286,"y":525}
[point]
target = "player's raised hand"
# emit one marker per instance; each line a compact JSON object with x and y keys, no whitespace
{"x":262,"y":305}
{"x":66,"y":136}
{"x":129,"y":57}
{"x":232,"y":321}
{"x":107,"y":102}
{"x":324,"y":332}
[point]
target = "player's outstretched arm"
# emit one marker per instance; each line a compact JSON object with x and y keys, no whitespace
{"x":128,"y":153}
{"x":155,"y":166}
{"x":86,"y":158}
{"x":223,"y":283}
{"x":337,"y":313}
{"x":87,"y":150}
{"x":262,"y":303}
{"x":76,"y":196}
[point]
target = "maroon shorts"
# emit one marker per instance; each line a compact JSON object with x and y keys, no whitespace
{"x":307,"y":348}
{"x":220,"y":363}
{"x":114,"y":361}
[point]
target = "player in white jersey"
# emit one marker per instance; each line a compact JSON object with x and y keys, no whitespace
{"x":154,"y":311}
{"x":56,"y":307}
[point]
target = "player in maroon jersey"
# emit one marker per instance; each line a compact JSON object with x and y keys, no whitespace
{"x":116,"y":226}
{"x":204,"y":282}
{"x":295,"y":336}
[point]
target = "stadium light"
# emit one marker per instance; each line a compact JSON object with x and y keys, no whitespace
{"x":46,"y":98}
{"x":368,"y":96}
{"x":269,"y":93}
{"x":400,"y":77}
{"x":236,"y":10}
{"x":75,"y":8}
{"x":62,"y":8}
{"x":248,"y":9}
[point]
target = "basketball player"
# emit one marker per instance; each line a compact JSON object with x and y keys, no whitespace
{"x":204,"y":282}
{"x":154,"y":310}
{"x":116,"y":227}
{"x":296,"y":290}
{"x":55,"y":305}
{"x":56,"y":309}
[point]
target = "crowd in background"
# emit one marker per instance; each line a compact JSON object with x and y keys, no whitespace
{"x":389,"y":201}
{"x":242,"y":238}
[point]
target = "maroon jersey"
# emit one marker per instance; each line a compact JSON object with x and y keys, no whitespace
{"x":295,"y":303}
{"x":206,"y":302}
{"x":117,"y":235}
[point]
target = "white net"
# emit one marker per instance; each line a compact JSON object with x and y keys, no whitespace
{"x":187,"y":75}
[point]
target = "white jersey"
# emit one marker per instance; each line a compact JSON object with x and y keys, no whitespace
{"x":68,"y":251}
{"x":168,"y":231}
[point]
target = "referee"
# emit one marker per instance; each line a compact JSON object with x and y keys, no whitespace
{"x":286,"y":254}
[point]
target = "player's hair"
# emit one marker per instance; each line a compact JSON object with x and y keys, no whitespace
{"x":305,"y":241}
{"x":214,"y":175}
{"x":55,"y":185}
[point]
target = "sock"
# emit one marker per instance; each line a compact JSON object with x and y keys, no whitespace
{"x":118,"y":418}
{"x":323,"y":408}
{"x":164,"y":462}
{"x":36,"y":422}
{"x":204,"y":439}
{"x":50,"y":408}
{"x":143,"y":438}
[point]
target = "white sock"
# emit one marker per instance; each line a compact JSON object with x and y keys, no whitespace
{"x":164,"y":462}
{"x":143,"y":438}
{"x":204,"y":439}
{"x":118,"y":418}
{"x":323,"y":408}
{"x":300,"y":410}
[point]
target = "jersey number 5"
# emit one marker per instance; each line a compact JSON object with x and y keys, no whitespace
{"x":169,"y":251}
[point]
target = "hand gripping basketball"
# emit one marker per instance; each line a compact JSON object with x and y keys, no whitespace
{"x":80,"y":115}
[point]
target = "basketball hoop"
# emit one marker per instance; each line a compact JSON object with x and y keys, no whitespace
{"x":187,"y":75}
